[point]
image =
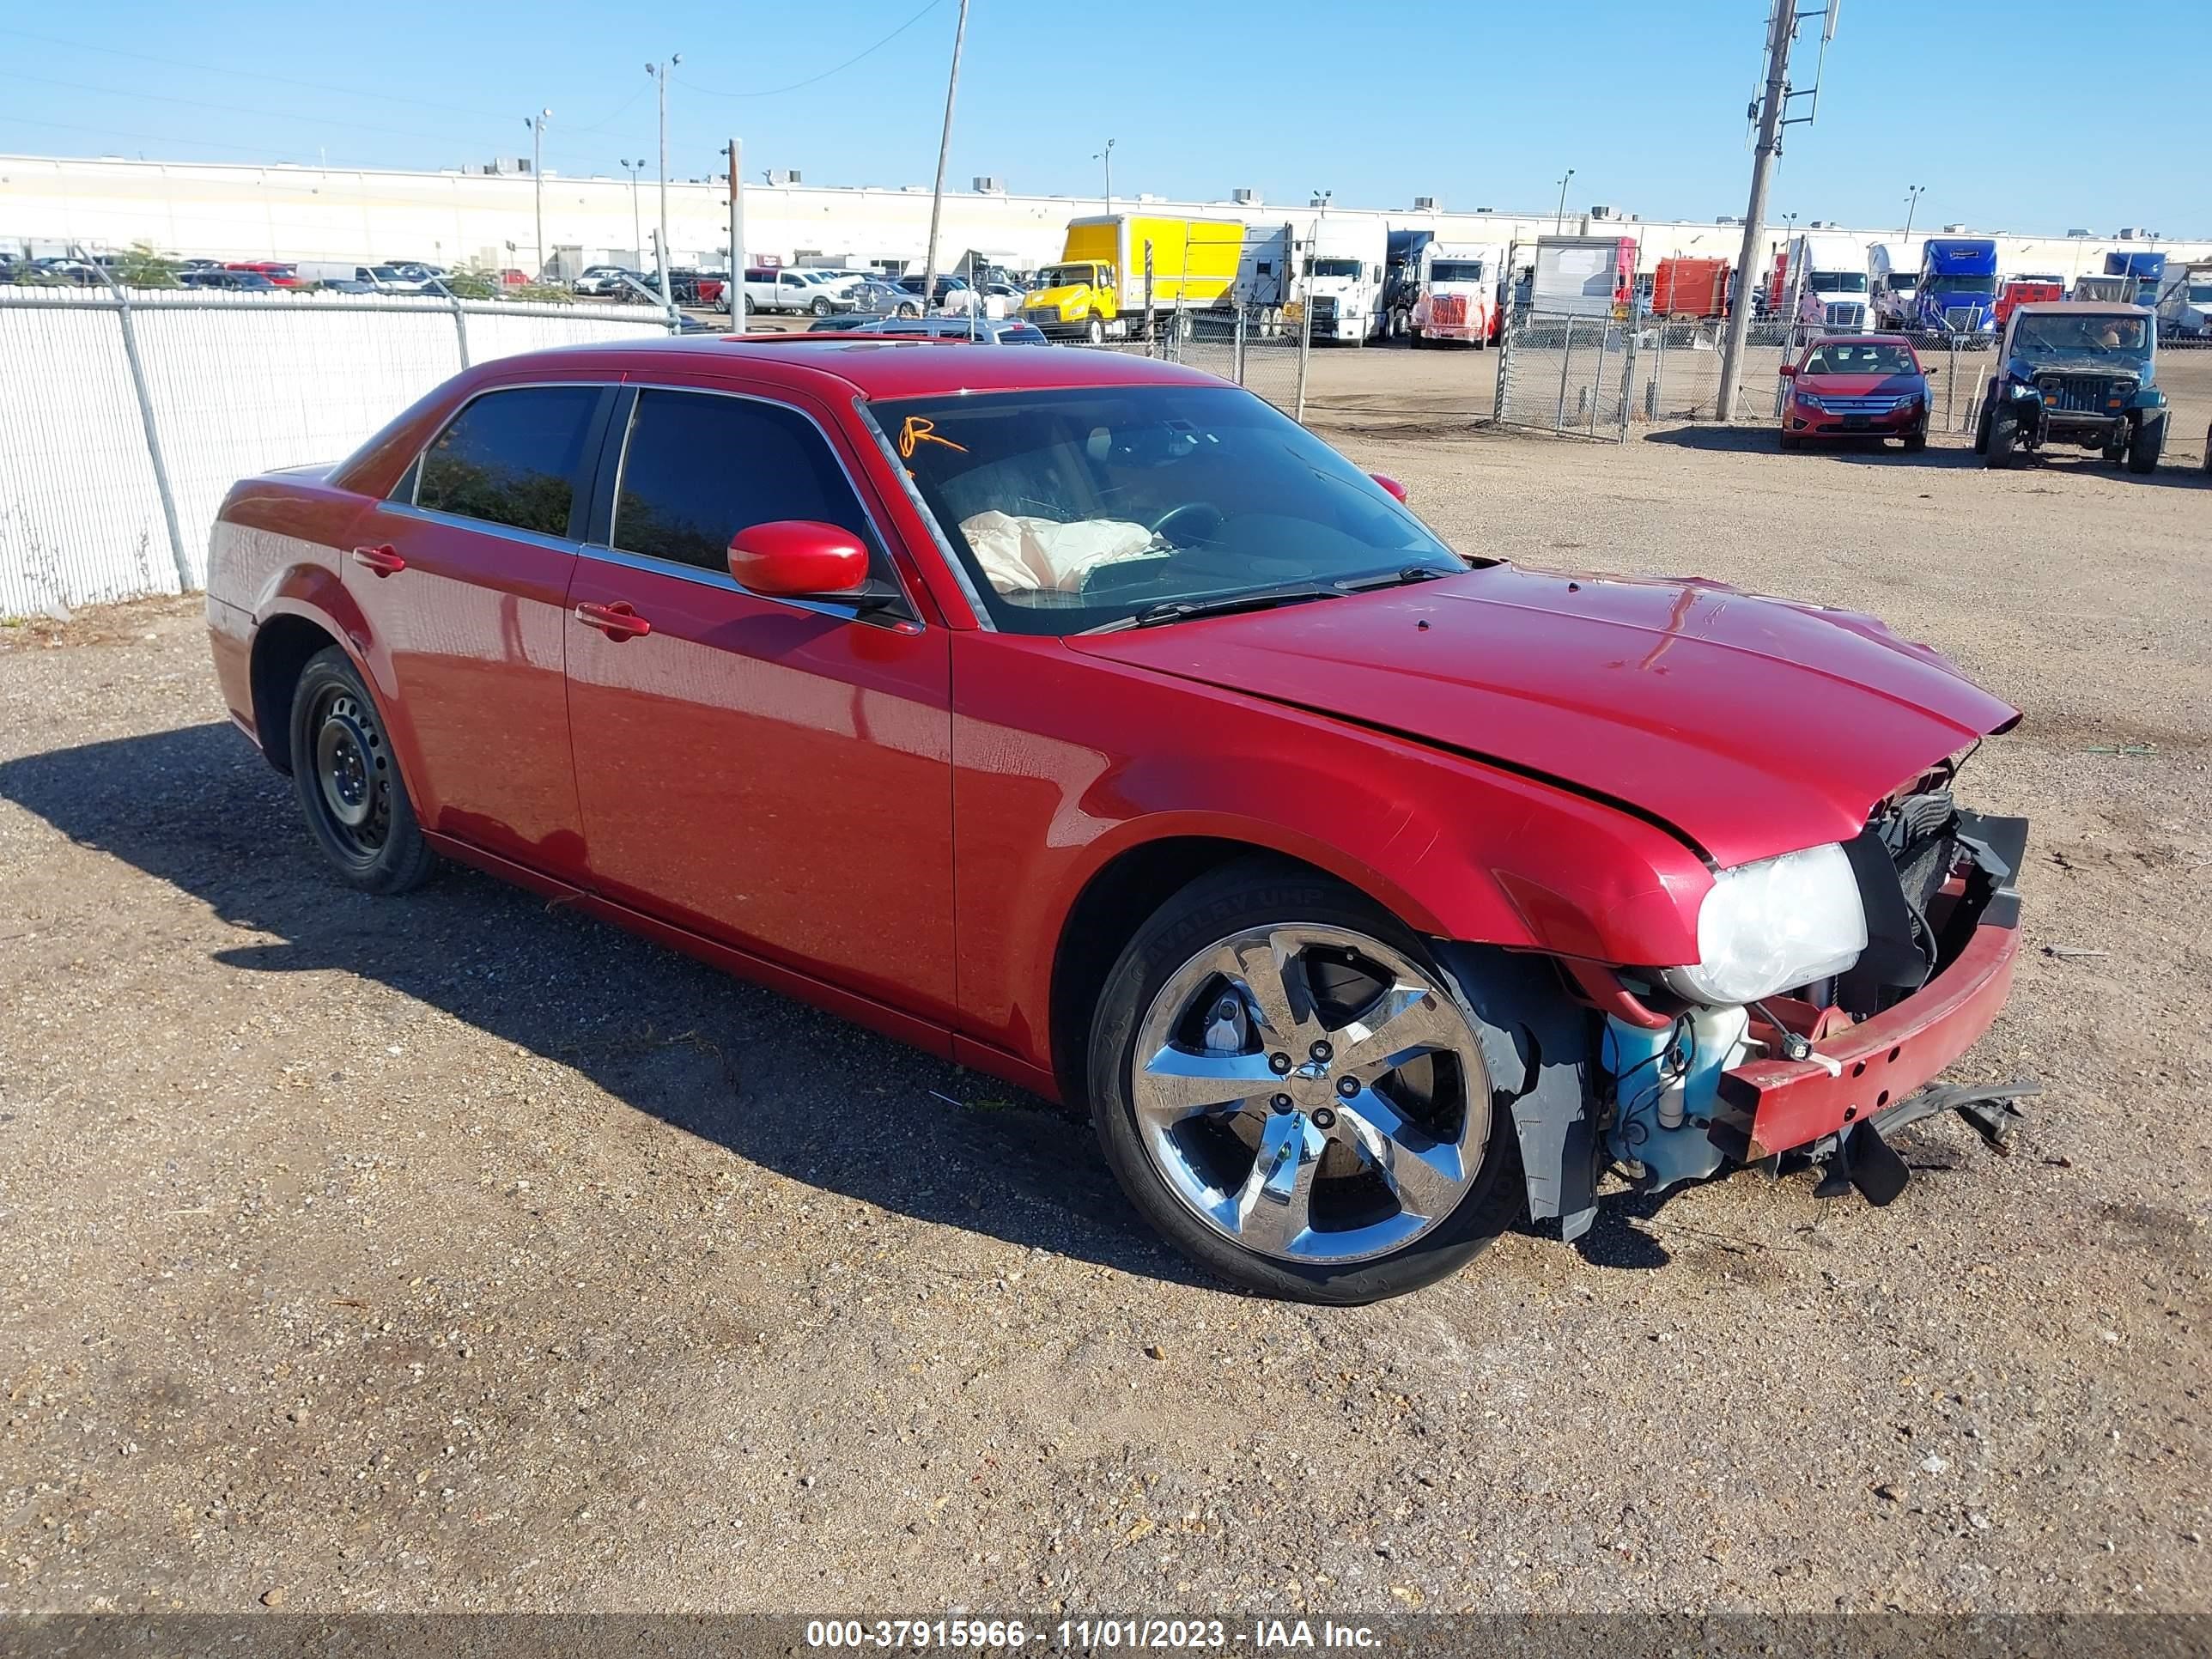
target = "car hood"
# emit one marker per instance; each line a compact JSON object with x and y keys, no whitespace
{"x":1749,"y":725}
{"x":1860,"y":385}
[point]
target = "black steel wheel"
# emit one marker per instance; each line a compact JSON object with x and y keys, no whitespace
{"x":348,"y":783}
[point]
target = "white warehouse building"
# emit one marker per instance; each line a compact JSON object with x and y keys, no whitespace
{"x":223,"y":211}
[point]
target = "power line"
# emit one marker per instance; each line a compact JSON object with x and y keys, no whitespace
{"x":811,"y":80}
{"x":231,"y":108}
{"x":380,"y":95}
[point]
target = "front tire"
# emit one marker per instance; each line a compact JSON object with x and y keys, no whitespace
{"x":822,"y":307}
{"x":347,"y":781}
{"x":2149,"y":442}
{"x":1094,"y":332}
{"x":1915,"y":441}
{"x":2004,"y":440}
{"x":1288,"y":1088}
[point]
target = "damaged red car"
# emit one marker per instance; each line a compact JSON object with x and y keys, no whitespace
{"x":1856,"y":386}
{"x":1083,"y":720}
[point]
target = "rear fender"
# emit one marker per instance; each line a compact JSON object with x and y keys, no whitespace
{"x":316,"y":594}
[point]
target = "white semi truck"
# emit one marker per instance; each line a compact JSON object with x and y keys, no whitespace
{"x":1822,"y":282}
{"x":1342,"y":278}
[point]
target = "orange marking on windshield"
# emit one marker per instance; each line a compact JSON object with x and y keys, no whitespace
{"x":919,"y":429}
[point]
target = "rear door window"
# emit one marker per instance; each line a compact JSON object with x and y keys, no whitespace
{"x":699,"y":467}
{"x":513,"y":458}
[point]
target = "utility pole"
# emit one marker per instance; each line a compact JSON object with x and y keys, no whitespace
{"x":1559,"y":223}
{"x":1779,"y":33}
{"x":1912,"y":206}
{"x":536,"y":125}
{"x":1107,"y":156}
{"x":659,"y":73}
{"x":636,"y":234}
{"x":944,"y":147}
{"x":737,"y":239}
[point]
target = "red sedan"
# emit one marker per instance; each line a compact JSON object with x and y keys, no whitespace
{"x":1857,"y":385}
{"x":1083,"y":720}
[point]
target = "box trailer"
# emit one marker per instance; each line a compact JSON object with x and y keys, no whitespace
{"x":1690,"y":287}
{"x":1119,"y":272}
{"x":1583,"y":276}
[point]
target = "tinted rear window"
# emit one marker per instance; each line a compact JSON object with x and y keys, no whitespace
{"x":512,"y":457}
{"x":700,"y":467}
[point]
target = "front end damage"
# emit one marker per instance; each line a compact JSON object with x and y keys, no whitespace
{"x":1827,"y":1071}
{"x":1821,"y":1075}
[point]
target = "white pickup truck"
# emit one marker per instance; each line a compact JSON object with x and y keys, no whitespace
{"x":819,"y":293}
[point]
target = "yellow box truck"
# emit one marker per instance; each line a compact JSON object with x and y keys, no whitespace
{"x":1116,"y":265}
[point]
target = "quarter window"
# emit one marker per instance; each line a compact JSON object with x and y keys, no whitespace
{"x":512,"y":457}
{"x":700,"y":467}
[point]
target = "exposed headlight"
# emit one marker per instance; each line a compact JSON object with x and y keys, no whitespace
{"x":1770,"y":926}
{"x":1807,"y":400}
{"x":2019,"y":389}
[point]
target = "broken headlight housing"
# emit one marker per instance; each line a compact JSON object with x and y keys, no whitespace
{"x":1769,"y":926}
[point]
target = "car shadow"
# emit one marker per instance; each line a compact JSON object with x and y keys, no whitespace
{"x":781,"y":1085}
{"x":1746,"y":440}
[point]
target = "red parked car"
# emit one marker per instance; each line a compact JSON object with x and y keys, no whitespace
{"x":1857,"y":385}
{"x":1082,"y":719}
{"x":280,"y":273}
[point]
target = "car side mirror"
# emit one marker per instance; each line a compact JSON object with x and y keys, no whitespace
{"x":800,"y":559}
{"x":1789,"y":371}
{"x":1397,"y":491}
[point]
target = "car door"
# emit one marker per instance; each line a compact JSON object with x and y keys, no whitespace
{"x":463,"y":574}
{"x":773,"y":773}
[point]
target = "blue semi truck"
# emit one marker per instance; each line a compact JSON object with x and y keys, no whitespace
{"x":1957,"y":288}
{"x":2148,"y":272}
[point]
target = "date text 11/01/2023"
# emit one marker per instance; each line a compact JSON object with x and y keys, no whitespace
{"x":1085,"y":1635}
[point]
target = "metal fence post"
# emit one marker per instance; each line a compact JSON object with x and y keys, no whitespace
{"x":186,"y":581}
{"x":1951,"y":386}
{"x":1501,"y":401}
{"x":1305,"y":346}
{"x":1238,"y":357}
{"x":1628,"y":377}
{"x":1567,"y":359}
{"x":460,"y":324}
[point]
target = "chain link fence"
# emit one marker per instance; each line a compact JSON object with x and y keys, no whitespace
{"x":1565,"y":374}
{"x":1252,"y":347}
{"x":133,"y":412}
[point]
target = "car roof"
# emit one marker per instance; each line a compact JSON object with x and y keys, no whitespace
{"x":873,"y":365}
{"x":2080,"y":308}
{"x":1820,"y":340}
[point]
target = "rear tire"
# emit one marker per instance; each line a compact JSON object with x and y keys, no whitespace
{"x":347,"y":777}
{"x":2145,"y":447}
{"x":1313,"y":951}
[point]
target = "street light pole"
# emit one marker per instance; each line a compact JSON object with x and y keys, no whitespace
{"x":737,"y":239}
{"x":1912,"y":206}
{"x":1107,"y":156}
{"x":536,"y":125}
{"x":659,"y":73}
{"x":637,"y":233}
{"x":944,"y":147}
{"x":1560,"y":224}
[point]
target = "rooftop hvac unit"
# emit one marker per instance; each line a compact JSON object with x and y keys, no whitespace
{"x":1954,"y":230}
{"x":1485,"y":210}
{"x":1728,"y":219}
{"x":2077,"y":233}
{"x":2130,"y":233}
{"x":1822,"y":224}
{"x":783,"y":176}
{"x":989,"y":184}
{"x":1425,"y":205}
{"x":1245,"y":198}
{"x":1605,"y":213}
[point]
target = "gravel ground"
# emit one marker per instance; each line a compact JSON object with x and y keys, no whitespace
{"x":456,"y":1252}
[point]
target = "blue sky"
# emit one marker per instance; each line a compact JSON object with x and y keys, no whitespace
{"x":1478,"y":105}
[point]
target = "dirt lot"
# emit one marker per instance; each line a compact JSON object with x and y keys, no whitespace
{"x":456,"y":1252}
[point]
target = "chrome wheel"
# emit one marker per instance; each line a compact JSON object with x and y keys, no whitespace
{"x":1310,"y":1093}
{"x":353,"y":771}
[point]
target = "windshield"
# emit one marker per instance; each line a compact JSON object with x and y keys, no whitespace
{"x":2112,"y":336}
{"x":1456,"y":270}
{"x":1977,"y":286}
{"x":1332,"y":267}
{"x":1844,"y":357}
{"x":1071,"y":509}
{"x":387,"y":274}
{"x":1904,"y":281}
{"x":2200,"y":294}
{"x":1066,"y":276}
{"x":1840,"y":282}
